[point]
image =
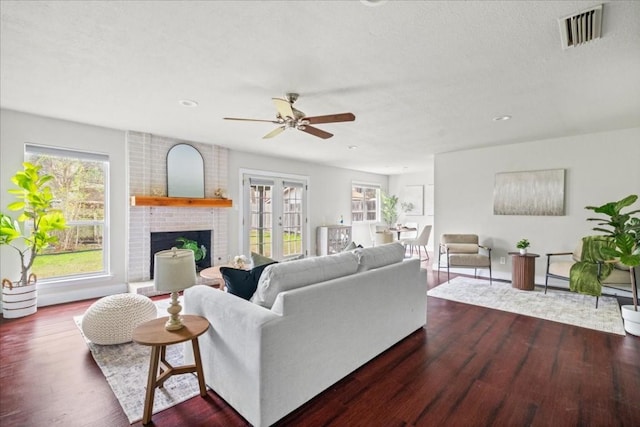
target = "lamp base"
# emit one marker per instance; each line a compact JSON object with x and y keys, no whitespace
{"x":174,"y":322}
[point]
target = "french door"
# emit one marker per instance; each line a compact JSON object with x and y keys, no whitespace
{"x":274,"y":216}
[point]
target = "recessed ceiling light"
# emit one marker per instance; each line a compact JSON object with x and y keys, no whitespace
{"x":352,"y":147}
{"x":188,"y":103}
{"x":373,"y":3}
{"x":501,"y":118}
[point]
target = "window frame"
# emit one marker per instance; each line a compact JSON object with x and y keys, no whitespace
{"x":35,"y":149}
{"x":366,"y":186}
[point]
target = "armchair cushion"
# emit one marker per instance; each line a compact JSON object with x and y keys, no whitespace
{"x":462,"y":248}
{"x":469,"y":260}
{"x":459,"y":238}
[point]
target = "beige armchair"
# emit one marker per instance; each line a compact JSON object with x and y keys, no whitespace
{"x":464,"y":251}
{"x":559,"y":265}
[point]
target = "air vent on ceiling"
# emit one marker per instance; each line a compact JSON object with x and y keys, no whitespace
{"x":581,"y":28}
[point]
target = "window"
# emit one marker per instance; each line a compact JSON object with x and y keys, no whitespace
{"x":365,"y":202}
{"x":79,"y":185}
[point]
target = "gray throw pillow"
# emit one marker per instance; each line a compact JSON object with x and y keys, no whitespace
{"x":257,"y":260}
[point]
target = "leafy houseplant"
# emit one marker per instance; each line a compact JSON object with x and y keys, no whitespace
{"x":523,"y":244}
{"x":38,"y":218}
{"x":199,"y":252}
{"x":624,"y":229}
{"x":389,"y":211}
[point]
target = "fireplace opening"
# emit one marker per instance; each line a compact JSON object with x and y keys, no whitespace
{"x":161,"y":241}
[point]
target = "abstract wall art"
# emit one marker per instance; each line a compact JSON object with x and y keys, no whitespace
{"x":529,"y":193}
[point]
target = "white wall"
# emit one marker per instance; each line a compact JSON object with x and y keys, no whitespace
{"x":600,"y":168}
{"x":397,"y":183}
{"x":18,"y":128}
{"x":329,"y":189}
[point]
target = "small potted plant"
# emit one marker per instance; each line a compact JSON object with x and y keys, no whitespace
{"x":523,"y":244}
{"x":33,"y":228}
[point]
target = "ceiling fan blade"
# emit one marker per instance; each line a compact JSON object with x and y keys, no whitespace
{"x":276,"y":131}
{"x":331,"y":118}
{"x":316,"y":132}
{"x":284,"y":108}
{"x":250,"y":120}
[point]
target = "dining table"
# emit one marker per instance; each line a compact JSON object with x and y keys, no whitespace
{"x":402,"y":230}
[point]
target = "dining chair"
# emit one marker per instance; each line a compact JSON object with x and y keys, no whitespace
{"x":421,"y":241}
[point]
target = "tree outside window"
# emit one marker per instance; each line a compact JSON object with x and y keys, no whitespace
{"x":79,"y":187}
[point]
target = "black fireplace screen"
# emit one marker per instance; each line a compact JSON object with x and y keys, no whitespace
{"x":161,"y":241}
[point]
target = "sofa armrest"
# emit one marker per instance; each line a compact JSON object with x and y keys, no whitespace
{"x":222,"y":308}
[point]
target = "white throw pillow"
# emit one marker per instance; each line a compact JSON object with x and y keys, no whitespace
{"x":285,"y":276}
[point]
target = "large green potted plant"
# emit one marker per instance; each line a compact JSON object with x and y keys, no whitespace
{"x":28,"y":234}
{"x":624,"y":229}
{"x":389,"y":209}
{"x":389,"y":215}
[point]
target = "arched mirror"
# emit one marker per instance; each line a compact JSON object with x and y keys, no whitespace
{"x":185,"y":172}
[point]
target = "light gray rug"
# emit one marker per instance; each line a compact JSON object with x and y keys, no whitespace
{"x":558,"y":306}
{"x":126,"y":367}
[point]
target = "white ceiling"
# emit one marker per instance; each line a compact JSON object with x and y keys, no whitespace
{"x":421,"y":77}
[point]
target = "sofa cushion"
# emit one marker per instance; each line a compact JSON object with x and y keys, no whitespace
{"x":292,"y":275}
{"x":242,"y":283}
{"x":258,"y":259}
{"x":379,"y":256}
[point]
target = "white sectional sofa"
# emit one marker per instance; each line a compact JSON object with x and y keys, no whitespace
{"x":310,"y":323}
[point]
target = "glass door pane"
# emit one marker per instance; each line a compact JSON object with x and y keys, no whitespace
{"x":292,"y":219}
{"x":261,"y":215}
{"x":276,"y":212}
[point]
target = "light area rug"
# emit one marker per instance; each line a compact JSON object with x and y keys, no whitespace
{"x":126,"y":368}
{"x":558,"y":306}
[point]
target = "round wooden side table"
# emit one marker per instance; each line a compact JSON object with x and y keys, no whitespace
{"x":153,"y":333}
{"x":524,"y":271}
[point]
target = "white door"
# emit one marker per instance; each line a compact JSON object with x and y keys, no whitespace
{"x":274,"y":217}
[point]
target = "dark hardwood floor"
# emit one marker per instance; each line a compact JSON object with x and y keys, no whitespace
{"x":471,"y":366}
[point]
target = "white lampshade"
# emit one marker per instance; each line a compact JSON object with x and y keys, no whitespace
{"x":174,"y":270}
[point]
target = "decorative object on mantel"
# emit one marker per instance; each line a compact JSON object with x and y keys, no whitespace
{"x":39,"y":220}
{"x":523,"y":245}
{"x":625,"y":232}
{"x":180,"y":202}
{"x":175,"y":270}
{"x":219,"y":193}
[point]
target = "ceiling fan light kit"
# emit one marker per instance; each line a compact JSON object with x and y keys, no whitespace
{"x":289,"y":117}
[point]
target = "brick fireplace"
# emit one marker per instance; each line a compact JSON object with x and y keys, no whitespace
{"x":148,"y":177}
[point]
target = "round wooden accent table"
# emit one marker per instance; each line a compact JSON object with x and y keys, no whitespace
{"x":153,"y":333}
{"x":524,"y":270}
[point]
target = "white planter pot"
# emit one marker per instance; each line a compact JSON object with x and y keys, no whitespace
{"x":19,"y":301}
{"x":523,"y":251}
{"x":631,"y":319}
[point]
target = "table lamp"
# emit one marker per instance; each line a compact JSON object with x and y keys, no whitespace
{"x":174,"y":270}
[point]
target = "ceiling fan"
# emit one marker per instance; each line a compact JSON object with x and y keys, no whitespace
{"x":289,"y":117}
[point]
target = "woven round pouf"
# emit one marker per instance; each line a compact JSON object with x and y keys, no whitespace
{"x":112,"y":319}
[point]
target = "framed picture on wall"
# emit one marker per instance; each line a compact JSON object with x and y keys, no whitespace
{"x":412,"y":201}
{"x":529,"y":193}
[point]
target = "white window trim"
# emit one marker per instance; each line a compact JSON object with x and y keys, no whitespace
{"x":270,"y":174}
{"x":84,"y":278}
{"x":378,"y":204}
